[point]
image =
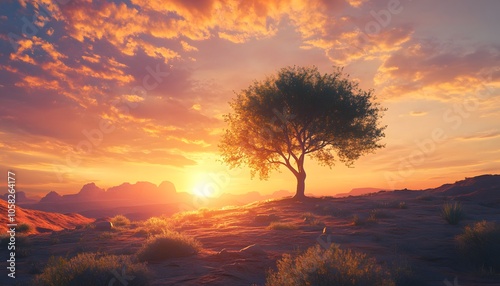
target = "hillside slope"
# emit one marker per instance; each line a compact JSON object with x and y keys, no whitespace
{"x":42,"y":221}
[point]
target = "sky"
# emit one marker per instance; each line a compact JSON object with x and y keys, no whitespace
{"x":125,"y":91}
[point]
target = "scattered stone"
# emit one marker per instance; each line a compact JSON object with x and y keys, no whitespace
{"x":253,"y":250}
{"x":103,"y":225}
{"x":327,"y":230}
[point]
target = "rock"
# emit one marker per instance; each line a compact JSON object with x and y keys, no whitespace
{"x":253,"y":250}
{"x":103,"y":225}
{"x":327,"y":230}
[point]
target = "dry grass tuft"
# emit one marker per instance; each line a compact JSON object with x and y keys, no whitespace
{"x":333,"y":266}
{"x":168,"y":245}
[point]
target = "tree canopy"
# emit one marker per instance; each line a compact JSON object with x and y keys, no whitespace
{"x":297,"y":112}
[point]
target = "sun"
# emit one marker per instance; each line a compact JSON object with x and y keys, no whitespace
{"x":204,"y":190}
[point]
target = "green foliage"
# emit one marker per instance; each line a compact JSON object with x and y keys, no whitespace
{"x":120,"y":220}
{"x":452,"y":212}
{"x":91,"y":269}
{"x":296,"y":112}
{"x":282,"y":226}
{"x":480,"y":245}
{"x":333,"y":266}
{"x":171,"y":244}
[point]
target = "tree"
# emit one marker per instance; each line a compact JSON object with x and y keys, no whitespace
{"x":298,"y":112}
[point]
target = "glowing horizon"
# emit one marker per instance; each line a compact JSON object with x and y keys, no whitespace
{"x":114,"y":92}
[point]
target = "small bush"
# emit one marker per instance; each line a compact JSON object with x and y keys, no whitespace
{"x":120,"y":220}
{"x":24,"y":228}
{"x":282,"y":226}
{"x":310,"y":219}
{"x":168,"y":245}
{"x":91,"y":269}
{"x":333,"y":266}
{"x":357,"y":221}
{"x":378,"y":214}
{"x":107,"y":235}
{"x":308,"y":216}
{"x":402,"y":205}
{"x":480,"y":245}
{"x":157,"y":225}
{"x":452,"y":212}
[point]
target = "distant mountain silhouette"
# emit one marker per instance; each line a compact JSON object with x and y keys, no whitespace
{"x":359,"y":192}
{"x":21,"y":198}
{"x":91,"y":197}
{"x":140,"y":200}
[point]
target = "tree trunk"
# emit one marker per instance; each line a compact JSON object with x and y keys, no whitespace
{"x":301,"y":186}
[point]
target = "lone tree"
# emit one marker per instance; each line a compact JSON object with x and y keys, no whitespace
{"x":299,"y":111}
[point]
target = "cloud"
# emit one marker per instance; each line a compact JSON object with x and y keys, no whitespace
{"x":486,"y":135}
{"x":431,"y":68}
{"x":418,"y":113}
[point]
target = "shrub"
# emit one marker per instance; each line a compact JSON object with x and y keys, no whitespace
{"x":120,"y":220}
{"x":156,"y":225}
{"x":168,"y":245}
{"x":91,"y":269}
{"x":357,"y":221}
{"x":24,"y":228}
{"x":452,"y":212}
{"x":333,"y":266}
{"x":282,"y":226}
{"x":479,"y":244}
{"x":310,"y":219}
{"x":378,"y":214}
{"x":402,"y":205}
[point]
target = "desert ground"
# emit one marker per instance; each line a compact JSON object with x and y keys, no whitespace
{"x":402,"y":230}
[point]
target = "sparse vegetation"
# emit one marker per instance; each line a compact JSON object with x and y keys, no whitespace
{"x":106,"y":235}
{"x":452,"y":212}
{"x":310,"y":219}
{"x":357,"y":221}
{"x":282,"y":226}
{"x":91,"y":269}
{"x":171,"y":244}
{"x":24,"y":228}
{"x":156,"y":225}
{"x":333,"y":266}
{"x":393,"y":204}
{"x":260,"y":218}
{"x":120,"y":221}
{"x":378,"y":214}
{"x":479,"y":245}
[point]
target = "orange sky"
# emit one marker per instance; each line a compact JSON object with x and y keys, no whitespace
{"x":112,"y":92}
